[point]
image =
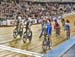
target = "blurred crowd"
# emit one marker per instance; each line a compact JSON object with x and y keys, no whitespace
{"x":33,"y":10}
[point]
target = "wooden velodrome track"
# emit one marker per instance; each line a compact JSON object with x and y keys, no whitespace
{"x":6,"y":38}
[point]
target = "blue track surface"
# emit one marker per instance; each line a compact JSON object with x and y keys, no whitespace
{"x":61,"y":49}
{"x":70,"y":53}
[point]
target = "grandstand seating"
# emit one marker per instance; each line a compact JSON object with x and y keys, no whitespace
{"x":34,"y":10}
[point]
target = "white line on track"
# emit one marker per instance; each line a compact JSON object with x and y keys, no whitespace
{"x":20,"y":51}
